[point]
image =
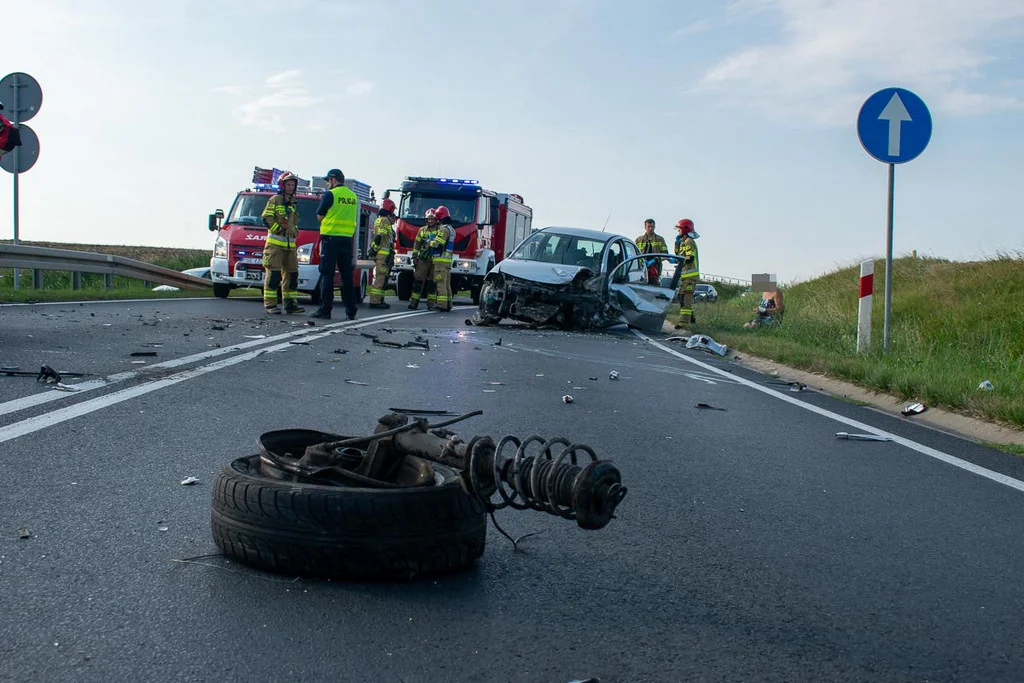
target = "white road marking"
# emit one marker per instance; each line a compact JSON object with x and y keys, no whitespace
{"x":42,"y":398}
{"x":39,"y":422}
{"x":913,"y":445}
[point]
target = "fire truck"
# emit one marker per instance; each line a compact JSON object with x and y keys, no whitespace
{"x":488,"y":226}
{"x":237,"y":259}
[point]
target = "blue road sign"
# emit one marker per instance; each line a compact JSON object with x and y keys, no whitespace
{"x":894,"y":125}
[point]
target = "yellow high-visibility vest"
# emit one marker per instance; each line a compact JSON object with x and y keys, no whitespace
{"x":341,"y":218}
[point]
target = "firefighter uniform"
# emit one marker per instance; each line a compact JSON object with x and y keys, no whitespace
{"x":652,"y":244}
{"x":441,"y":247}
{"x":382,"y":253}
{"x":686,"y":247}
{"x":421,"y":269}
{"x":280,"y":263}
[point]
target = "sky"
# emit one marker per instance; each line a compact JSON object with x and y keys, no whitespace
{"x":738,"y":114}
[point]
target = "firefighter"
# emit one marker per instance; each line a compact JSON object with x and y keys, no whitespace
{"x":280,"y":262}
{"x":382,"y":251}
{"x":686,"y":246}
{"x":421,"y":262}
{"x":652,"y":243}
{"x":441,"y":247}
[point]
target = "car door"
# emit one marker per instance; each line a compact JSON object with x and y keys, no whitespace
{"x":634,"y":302}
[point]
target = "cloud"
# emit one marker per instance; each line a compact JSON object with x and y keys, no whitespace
{"x":283,"y":91}
{"x":359,"y":88}
{"x":833,"y":53}
{"x":229,"y":89}
{"x":690,"y":29}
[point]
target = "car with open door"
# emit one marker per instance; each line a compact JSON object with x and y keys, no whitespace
{"x":578,"y":278}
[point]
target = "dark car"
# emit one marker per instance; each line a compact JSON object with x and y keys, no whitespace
{"x":577,"y":278}
{"x":705,"y":293}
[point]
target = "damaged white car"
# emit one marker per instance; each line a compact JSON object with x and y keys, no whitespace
{"x":576,"y":278}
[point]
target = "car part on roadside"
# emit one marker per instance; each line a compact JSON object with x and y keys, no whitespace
{"x":912,"y":409}
{"x":705,"y":406}
{"x":568,"y":399}
{"x":862,"y":437}
{"x":46,"y":373}
{"x":702,"y":341}
{"x":986,"y":385}
{"x":409,"y":499}
{"x":793,"y":386}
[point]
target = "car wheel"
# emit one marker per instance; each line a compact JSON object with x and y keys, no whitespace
{"x":361,"y":294}
{"x":483,"y":316}
{"x":221,"y":290}
{"x":340,"y":532}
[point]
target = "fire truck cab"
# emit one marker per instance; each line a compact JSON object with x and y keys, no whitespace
{"x":488,"y":226}
{"x":237,"y":259}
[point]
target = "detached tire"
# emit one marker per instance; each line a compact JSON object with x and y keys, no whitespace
{"x":336,"y":532}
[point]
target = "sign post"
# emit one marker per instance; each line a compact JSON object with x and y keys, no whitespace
{"x":894,"y":126}
{"x":25,"y":97}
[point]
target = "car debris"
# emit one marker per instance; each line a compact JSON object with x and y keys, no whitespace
{"x":394,"y":500}
{"x":614,"y":374}
{"x":397,"y":341}
{"x":705,"y":406}
{"x":352,"y":381}
{"x":706,"y":343}
{"x":793,"y":386}
{"x":986,"y":386}
{"x":189,"y":481}
{"x":219,"y":328}
{"x":568,"y":399}
{"x":46,"y":374}
{"x":912,"y":409}
{"x":138,"y":354}
{"x":59,"y":386}
{"x":24,"y":533}
{"x":862,"y":437}
{"x":340,"y":352}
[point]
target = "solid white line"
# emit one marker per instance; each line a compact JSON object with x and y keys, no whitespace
{"x":30,"y":425}
{"x":913,"y":445}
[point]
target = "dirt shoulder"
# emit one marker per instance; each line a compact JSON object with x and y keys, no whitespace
{"x":938,"y":418}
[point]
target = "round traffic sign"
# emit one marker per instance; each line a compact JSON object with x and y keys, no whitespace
{"x":30,"y":96}
{"x":27,"y":153}
{"x":894,"y":125}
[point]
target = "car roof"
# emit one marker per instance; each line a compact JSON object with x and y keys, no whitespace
{"x":596,"y":235}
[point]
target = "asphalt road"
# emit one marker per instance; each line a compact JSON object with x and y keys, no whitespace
{"x":752,"y":545}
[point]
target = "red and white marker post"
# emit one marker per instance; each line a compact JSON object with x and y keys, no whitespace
{"x":867,"y":288}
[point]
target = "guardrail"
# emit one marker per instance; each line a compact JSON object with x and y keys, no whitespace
{"x":726,"y":280}
{"x":45,"y":258}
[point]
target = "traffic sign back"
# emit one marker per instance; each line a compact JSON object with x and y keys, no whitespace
{"x":30,"y":96}
{"x":894,"y":125}
{"x":28,"y":152}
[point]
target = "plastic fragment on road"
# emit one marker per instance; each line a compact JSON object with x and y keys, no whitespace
{"x":59,"y":386}
{"x":567,"y":399}
{"x":140,"y":354}
{"x":986,"y":386}
{"x":705,"y":406}
{"x":706,"y":343}
{"x":614,"y":374}
{"x":862,"y":437}
{"x":255,"y":336}
{"x":24,"y":533}
{"x":352,"y":381}
{"x":189,"y":481}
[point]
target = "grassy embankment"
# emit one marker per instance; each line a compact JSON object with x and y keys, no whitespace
{"x":954,"y":325}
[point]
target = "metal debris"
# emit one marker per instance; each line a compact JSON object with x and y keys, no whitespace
{"x":614,"y":374}
{"x":340,"y":351}
{"x":861,"y":437}
{"x":705,"y":406}
{"x":189,"y":481}
{"x":64,"y":387}
{"x":912,"y":409}
{"x":567,"y":399}
{"x":352,"y":381}
{"x":24,"y":533}
{"x":706,"y":343}
{"x":140,"y":354}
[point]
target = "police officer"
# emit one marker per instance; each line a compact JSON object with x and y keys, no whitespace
{"x":421,"y":262}
{"x":441,"y":247}
{"x":381,"y":251}
{"x":652,"y":243}
{"x":686,"y":246}
{"x":280,"y":263}
{"x":338,"y":214}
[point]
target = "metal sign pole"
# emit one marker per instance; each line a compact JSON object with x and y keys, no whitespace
{"x":17,"y":161}
{"x":888,"y":258}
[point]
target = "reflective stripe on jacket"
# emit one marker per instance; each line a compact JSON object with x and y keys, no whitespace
{"x":383,"y":237}
{"x":341,"y":218}
{"x":687,"y":248}
{"x":282,"y":221}
{"x":443,"y":244}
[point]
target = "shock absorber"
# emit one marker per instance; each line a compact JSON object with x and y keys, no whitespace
{"x":554,"y":475}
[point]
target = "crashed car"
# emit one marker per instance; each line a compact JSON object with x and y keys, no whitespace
{"x":578,"y":278}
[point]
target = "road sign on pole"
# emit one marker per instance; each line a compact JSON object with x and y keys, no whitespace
{"x":22,"y":97}
{"x":894,"y":126}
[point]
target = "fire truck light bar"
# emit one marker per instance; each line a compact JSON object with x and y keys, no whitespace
{"x":451,"y":181}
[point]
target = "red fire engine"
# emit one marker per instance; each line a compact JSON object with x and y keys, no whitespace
{"x":488,"y":226}
{"x":237,"y":259}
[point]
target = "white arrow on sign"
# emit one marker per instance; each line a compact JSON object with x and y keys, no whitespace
{"x":895,"y":113}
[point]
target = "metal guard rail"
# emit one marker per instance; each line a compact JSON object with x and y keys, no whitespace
{"x":45,"y":258}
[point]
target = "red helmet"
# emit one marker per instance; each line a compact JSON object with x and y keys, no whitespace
{"x":686,"y":224}
{"x":429,"y":213}
{"x":387,"y":206}
{"x":441,"y":212}
{"x":286,"y":176}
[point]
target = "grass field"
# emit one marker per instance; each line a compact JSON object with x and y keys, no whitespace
{"x":954,"y":325}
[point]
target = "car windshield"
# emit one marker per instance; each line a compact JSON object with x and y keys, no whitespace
{"x":415,"y":204}
{"x":552,"y":247}
{"x":248,"y":210}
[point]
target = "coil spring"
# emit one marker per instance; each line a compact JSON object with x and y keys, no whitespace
{"x":527,"y":481}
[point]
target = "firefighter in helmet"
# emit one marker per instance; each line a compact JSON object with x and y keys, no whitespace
{"x":441,"y":248}
{"x":652,"y":243}
{"x":382,"y":252}
{"x":280,"y":263}
{"x":421,"y":262}
{"x":686,"y":246}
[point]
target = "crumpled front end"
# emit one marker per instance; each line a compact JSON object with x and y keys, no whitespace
{"x":575,"y":304}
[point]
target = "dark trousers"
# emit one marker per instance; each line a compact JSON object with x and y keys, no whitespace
{"x":336,"y":254}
